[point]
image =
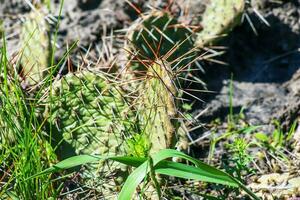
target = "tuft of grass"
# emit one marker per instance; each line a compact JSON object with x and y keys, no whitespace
{"x":24,"y":148}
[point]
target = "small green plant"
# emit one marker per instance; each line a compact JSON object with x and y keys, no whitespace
{"x":226,"y":135}
{"x":236,"y":162}
{"x":233,"y":126}
{"x":277,"y":141}
{"x":240,"y":157}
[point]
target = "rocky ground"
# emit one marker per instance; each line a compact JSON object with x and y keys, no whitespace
{"x":264,"y":67}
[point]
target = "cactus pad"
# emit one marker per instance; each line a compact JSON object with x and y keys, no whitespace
{"x":218,"y":19}
{"x":90,"y":113}
{"x":158,"y":35}
{"x":35,"y":48}
{"x":92,"y":117}
{"x":157,"y":107}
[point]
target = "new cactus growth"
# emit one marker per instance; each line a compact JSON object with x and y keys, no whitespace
{"x":219,"y":18}
{"x":34,"y":48}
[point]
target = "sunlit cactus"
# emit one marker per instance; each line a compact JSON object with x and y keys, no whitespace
{"x":157,"y":107}
{"x":90,"y":113}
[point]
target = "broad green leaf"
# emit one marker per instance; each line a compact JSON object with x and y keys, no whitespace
{"x":137,"y":176}
{"x":202,"y":171}
{"x":85,"y":159}
{"x":196,"y":173}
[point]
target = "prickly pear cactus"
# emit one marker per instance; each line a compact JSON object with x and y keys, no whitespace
{"x":163,"y":45}
{"x":90,"y":115}
{"x":158,"y":107}
{"x":158,"y":34}
{"x":220,"y":17}
{"x":34,"y":48}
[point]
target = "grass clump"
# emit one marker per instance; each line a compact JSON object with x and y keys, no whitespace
{"x":25,"y":149}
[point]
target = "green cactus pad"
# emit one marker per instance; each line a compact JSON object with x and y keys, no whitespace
{"x":157,"y":107}
{"x":90,"y":113}
{"x":35,"y":47}
{"x":220,"y":17}
{"x":91,"y":116}
{"x":159,"y":35}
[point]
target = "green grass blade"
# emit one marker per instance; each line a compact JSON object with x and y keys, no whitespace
{"x":85,"y":159}
{"x":190,"y":172}
{"x":137,"y":176}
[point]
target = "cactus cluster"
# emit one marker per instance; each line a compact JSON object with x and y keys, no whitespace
{"x":90,"y":113}
{"x":159,"y":43}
